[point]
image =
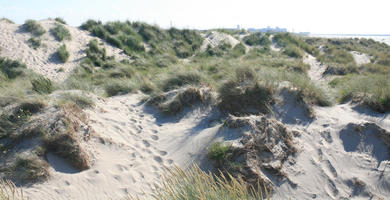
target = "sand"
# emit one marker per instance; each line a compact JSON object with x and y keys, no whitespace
{"x":14,"y":45}
{"x":132,"y":147}
{"x":214,"y":38}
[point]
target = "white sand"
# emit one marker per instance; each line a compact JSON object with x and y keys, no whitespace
{"x":137,"y":149}
{"x":14,"y":45}
{"x":360,"y":58}
{"x":326,"y":166}
{"x":214,"y":38}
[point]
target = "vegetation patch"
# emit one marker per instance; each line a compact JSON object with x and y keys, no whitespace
{"x":42,"y":85}
{"x":60,"y":20}
{"x":60,"y":32}
{"x":35,"y":43}
{"x":11,"y":68}
{"x":34,"y":27}
{"x":63,"y":53}
{"x":245,"y":92}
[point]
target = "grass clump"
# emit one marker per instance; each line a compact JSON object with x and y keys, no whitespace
{"x":60,"y":20}
{"x":9,"y":191}
{"x":34,"y":27}
{"x":11,"y":68}
{"x":372,"y":90}
{"x":60,"y":32}
{"x":82,"y":101}
{"x":288,"y":39}
{"x":257,"y":39}
{"x":238,"y":50}
{"x":30,"y":168}
{"x":181,"y":79}
{"x":35,"y":43}
{"x":245,"y":92}
{"x":63,"y":53}
{"x":219,"y":152}
{"x":42,"y":85}
{"x":96,"y":55}
{"x":118,"y":88}
{"x":196,"y":184}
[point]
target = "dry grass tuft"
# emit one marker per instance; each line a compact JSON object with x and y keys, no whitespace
{"x":8,"y":191}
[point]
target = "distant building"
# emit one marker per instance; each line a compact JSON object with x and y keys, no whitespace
{"x":268,"y":29}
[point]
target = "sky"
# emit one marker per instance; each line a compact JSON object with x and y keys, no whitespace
{"x":315,"y":16}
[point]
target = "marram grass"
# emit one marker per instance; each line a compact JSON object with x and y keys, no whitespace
{"x":8,"y":191}
{"x":196,"y":184}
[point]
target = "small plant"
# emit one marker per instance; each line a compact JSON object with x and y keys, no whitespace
{"x":60,"y":20}
{"x":34,"y":42}
{"x":42,"y":85}
{"x":34,"y":27}
{"x":60,"y":32}
{"x":63,"y":53}
{"x":219,"y":152}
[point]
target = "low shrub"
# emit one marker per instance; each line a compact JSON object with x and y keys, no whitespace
{"x":219,"y":152}
{"x":63,"y":53}
{"x":42,"y":85}
{"x":11,"y":68}
{"x":60,"y":32}
{"x":34,"y":27}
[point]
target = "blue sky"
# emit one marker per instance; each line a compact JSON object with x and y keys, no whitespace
{"x":316,"y":16}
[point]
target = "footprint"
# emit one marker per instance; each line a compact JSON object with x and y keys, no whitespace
{"x":154,"y":137}
{"x":146,"y":143}
{"x":155,"y":131}
{"x":162,"y":153}
{"x":158,"y":159}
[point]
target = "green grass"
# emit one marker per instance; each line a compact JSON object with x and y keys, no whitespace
{"x":60,"y":32}
{"x":42,"y":85}
{"x":63,"y":53}
{"x":11,"y":68}
{"x":81,"y":100}
{"x":34,"y":27}
{"x":35,"y":43}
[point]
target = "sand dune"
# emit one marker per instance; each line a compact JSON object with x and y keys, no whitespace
{"x":14,"y":45}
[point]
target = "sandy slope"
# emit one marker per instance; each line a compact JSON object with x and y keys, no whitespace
{"x":132,"y":147}
{"x":327,"y":166}
{"x":14,"y":45}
